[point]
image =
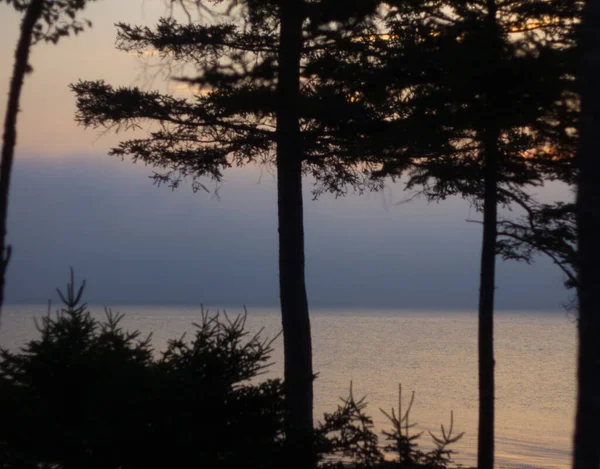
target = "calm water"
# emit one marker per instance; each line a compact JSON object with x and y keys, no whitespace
{"x":434,"y":354}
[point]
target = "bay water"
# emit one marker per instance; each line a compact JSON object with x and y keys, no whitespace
{"x":433,"y":353}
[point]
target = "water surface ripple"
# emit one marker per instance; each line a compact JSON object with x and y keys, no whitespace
{"x":433,"y":353}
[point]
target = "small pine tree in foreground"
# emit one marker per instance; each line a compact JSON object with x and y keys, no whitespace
{"x":88,"y":393}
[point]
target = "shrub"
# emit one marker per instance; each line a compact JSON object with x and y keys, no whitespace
{"x":347,"y":436}
{"x":405,"y":447}
{"x":89,"y":394}
{"x":346,"y":439}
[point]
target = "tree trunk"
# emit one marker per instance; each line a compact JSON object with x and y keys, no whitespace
{"x":485,"y":448}
{"x":586,"y":453}
{"x":294,"y":306}
{"x":9,"y":138}
{"x":487,"y":286}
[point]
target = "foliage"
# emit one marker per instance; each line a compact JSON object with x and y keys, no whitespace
{"x":250,"y":100}
{"x":88,"y":393}
{"x":347,"y":435}
{"x":404,"y":445}
{"x":58,"y":18}
{"x":402,"y":442}
{"x":462,"y":69}
{"x":346,"y":438}
{"x":543,"y":228}
{"x":486,"y":93}
{"x":229,"y":117}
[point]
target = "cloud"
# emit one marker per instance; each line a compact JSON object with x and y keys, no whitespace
{"x":139,"y":244}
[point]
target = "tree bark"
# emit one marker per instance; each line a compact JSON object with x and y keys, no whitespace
{"x":298,"y":371}
{"x":487,"y":286}
{"x":9,"y":138}
{"x":586,"y":454}
{"x":485,"y":442}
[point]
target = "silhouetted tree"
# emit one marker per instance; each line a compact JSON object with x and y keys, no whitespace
{"x":256,"y":101}
{"x":405,"y":445}
{"x":548,"y":229}
{"x":346,"y":438}
{"x":87,"y":393}
{"x":44,"y":20}
{"x":587,"y":431}
{"x":484,"y":91}
{"x":298,"y":370}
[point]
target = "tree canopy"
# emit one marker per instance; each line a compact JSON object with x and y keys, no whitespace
{"x":229,"y":117}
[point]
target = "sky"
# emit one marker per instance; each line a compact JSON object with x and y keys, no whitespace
{"x":72,"y":205}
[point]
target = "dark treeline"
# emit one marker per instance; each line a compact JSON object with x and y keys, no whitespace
{"x":479,"y":98}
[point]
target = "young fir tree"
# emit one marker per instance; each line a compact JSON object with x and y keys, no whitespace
{"x":43,"y":20}
{"x":586,"y":453}
{"x":256,"y":101}
{"x":484,"y":91}
{"x":87,"y":393}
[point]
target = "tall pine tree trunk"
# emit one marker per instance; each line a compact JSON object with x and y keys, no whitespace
{"x":485,"y":442}
{"x":298,"y":372}
{"x":587,"y":423}
{"x":9,"y":138}
{"x":491,"y":134}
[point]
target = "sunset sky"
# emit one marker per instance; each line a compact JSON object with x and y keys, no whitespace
{"x":72,"y":205}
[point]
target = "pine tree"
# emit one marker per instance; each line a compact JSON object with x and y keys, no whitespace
{"x":484,"y":92}
{"x":258,"y":100}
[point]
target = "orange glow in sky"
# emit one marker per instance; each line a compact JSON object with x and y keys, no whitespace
{"x":46,"y":127}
